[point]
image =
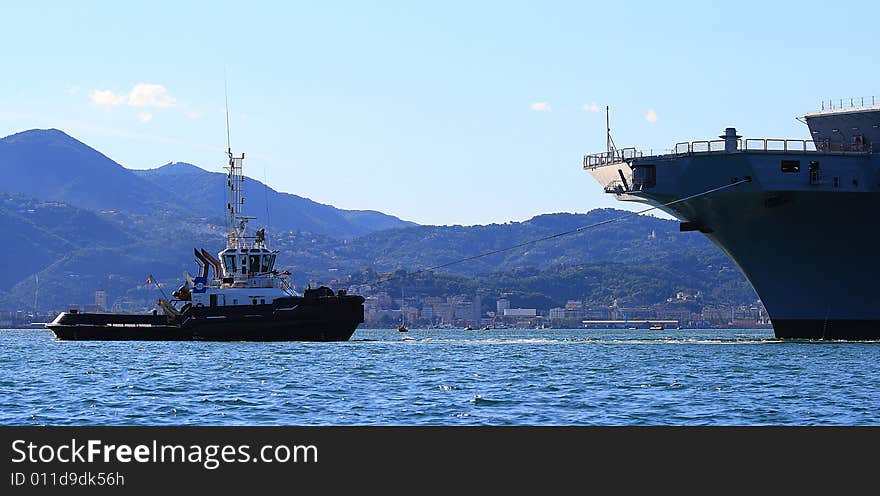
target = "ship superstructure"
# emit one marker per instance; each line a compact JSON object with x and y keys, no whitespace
{"x":244,"y":272}
{"x":799,"y":218}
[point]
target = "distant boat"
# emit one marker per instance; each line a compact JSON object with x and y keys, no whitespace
{"x":657,"y":327}
{"x":402,"y":327}
{"x":470,"y":328}
{"x":486,"y":328}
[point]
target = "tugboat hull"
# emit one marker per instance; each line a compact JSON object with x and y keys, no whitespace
{"x":330,"y":318}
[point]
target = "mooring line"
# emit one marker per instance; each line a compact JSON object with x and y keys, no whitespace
{"x":564,"y":233}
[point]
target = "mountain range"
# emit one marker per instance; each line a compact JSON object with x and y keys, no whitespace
{"x":78,"y":221}
{"x":50,"y":165}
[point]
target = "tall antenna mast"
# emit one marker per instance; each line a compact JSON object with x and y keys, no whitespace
{"x":236,"y":238}
{"x":226,"y":95}
{"x":607,"y":130}
{"x":609,"y":143}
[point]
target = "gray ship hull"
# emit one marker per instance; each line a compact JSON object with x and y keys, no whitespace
{"x":812,"y":257}
{"x":800,"y":222}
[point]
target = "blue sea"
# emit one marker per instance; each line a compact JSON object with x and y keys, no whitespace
{"x":444,"y":377}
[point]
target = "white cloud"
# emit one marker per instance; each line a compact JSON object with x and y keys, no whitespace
{"x":107,"y":97}
{"x":651,"y":116}
{"x":540,"y":106}
{"x":145,"y":117}
{"x":150,"y":95}
{"x":592,"y":107}
{"x":192,"y":115}
{"x":141,"y":95}
{"x":73,"y":89}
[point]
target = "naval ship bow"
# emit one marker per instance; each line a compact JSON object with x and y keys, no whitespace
{"x":799,"y":217}
{"x":236,"y":296}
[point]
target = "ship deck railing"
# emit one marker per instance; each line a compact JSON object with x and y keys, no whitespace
{"x":856,"y":103}
{"x":703,"y":147}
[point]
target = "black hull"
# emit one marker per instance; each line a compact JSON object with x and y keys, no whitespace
{"x":332,"y":318}
{"x":816,"y":329}
{"x":245,"y":331}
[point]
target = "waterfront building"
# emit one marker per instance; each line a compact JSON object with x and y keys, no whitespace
{"x":101,"y":300}
{"x":520,"y":312}
{"x":557,"y":313}
{"x":427,"y":313}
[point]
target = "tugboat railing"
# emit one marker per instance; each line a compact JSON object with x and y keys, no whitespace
{"x":703,"y":147}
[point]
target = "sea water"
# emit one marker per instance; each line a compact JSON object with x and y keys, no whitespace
{"x":444,"y":377}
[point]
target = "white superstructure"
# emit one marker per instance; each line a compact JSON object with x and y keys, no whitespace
{"x":244,"y":272}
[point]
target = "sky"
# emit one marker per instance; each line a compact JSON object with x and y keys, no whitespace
{"x":443,"y":113}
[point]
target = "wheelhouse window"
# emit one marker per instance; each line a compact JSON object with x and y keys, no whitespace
{"x":791,"y":166}
{"x":255,"y":263}
{"x":229,"y":261}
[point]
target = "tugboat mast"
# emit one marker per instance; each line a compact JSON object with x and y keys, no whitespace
{"x":237,"y":236}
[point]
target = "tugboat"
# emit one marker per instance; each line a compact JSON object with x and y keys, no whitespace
{"x":246,"y":298}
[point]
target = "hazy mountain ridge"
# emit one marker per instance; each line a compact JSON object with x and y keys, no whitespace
{"x":641,"y":259}
{"x":48,"y":164}
{"x":205,"y":192}
{"x":72,"y":250}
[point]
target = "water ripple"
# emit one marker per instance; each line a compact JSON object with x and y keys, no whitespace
{"x":444,"y":377}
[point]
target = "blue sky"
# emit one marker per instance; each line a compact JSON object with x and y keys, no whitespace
{"x":440,"y":113}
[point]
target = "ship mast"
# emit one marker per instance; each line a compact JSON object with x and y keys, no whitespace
{"x":610,"y":147}
{"x":236,"y":237}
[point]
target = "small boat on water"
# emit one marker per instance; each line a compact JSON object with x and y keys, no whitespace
{"x":470,"y":328}
{"x":246,"y":299}
{"x":402,"y":327}
{"x":657,"y":327}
